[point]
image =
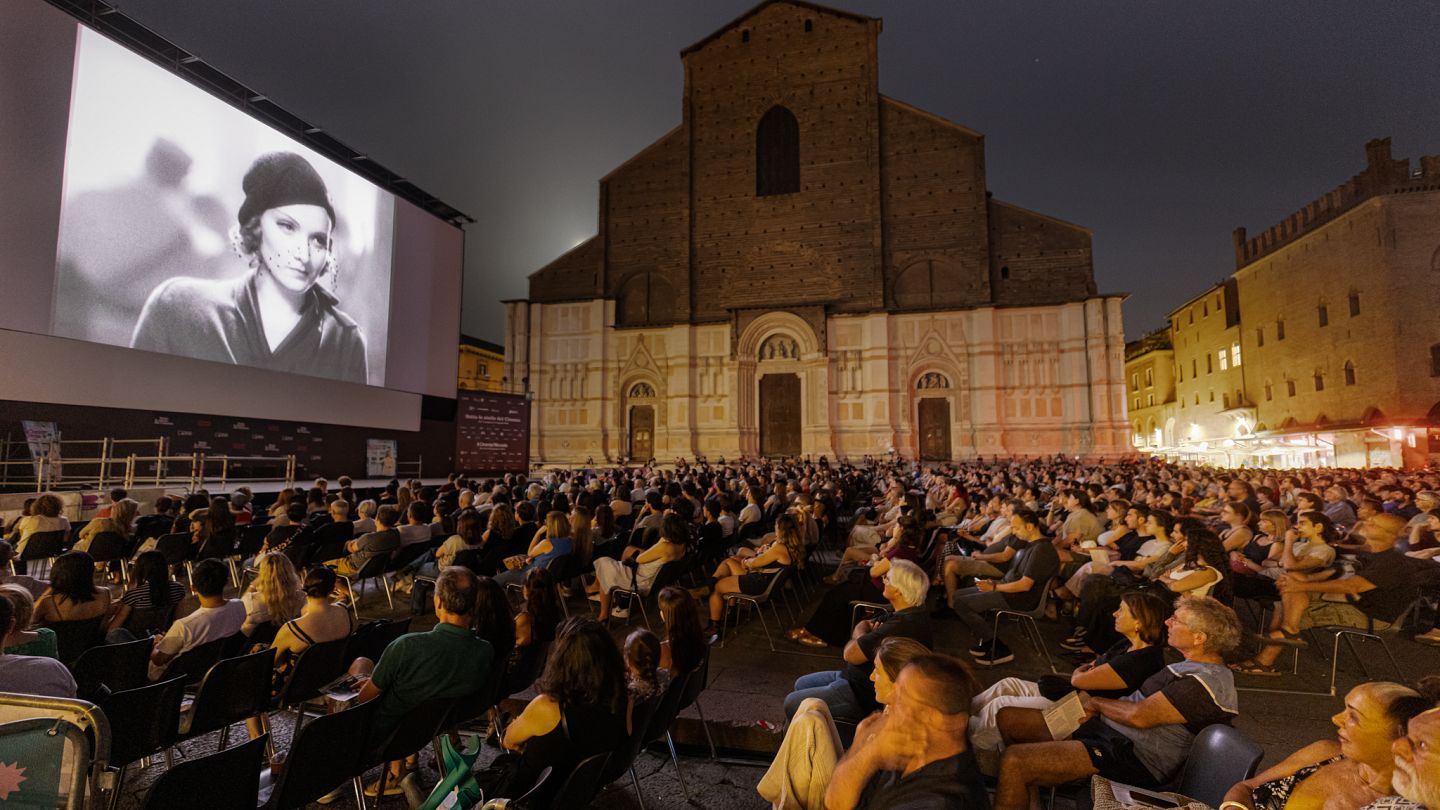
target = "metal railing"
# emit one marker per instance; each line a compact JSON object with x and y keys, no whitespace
{"x":110,"y":466}
{"x":410,"y":469}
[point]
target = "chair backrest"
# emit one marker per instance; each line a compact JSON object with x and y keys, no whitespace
{"x":192,"y":664}
{"x":261,"y":634}
{"x":149,"y":620}
{"x":316,"y":666}
{"x":317,"y":553}
{"x":252,"y":538}
{"x":228,"y":780}
{"x":74,"y":637}
{"x":373,"y":567}
{"x":117,"y":666}
{"x":670,"y":573}
{"x":43,"y":545}
{"x":176,"y":547}
{"x":143,"y":721}
{"x":580,"y":787}
{"x":332,"y":533}
{"x":370,"y":640}
{"x":405,"y":555}
{"x":233,"y":690}
{"x":696,"y":682}
{"x":108,"y":546}
{"x":1219,"y":757}
{"x":668,"y":709}
{"x":417,"y":728}
{"x":327,"y":752}
{"x":624,"y":756}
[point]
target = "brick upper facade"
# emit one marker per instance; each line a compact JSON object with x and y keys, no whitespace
{"x":892,"y":211}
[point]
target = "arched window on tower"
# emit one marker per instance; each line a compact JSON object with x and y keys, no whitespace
{"x":777,"y":153}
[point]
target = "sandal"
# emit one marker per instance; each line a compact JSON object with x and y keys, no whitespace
{"x":811,"y":641}
{"x":1253,"y":667}
{"x":794,"y":635}
{"x":1286,"y":639}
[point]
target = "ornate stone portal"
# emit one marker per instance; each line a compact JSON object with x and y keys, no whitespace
{"x":805,"y":267}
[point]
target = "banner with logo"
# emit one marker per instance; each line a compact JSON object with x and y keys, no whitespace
{"x":44,"y":441}
{"x":380,"y":458}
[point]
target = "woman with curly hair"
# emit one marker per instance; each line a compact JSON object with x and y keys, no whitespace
{"x":579,"y":711}
{"x":275,"y":597}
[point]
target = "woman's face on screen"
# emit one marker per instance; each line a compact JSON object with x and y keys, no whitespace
{"x":295,"y":244}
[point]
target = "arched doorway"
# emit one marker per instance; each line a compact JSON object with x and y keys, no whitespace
{"x":935,"y":429}
{"x":641,"y":419}
{"x":642,"y":432}
{"x":780,"y":415}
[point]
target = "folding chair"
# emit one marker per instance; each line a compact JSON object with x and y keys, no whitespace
{"x":778,"y":576}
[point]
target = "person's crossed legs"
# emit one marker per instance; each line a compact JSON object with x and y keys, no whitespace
{"x":1032,"y":759}
{"x":832,"y":688}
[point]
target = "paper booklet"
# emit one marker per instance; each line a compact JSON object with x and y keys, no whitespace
{"x":1066,"y":715}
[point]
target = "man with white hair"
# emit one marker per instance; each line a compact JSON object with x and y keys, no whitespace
{"x":849,"y":692}
{"x":1417,"y":761}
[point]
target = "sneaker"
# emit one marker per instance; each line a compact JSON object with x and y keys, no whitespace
{"x":618,"y":612}
{"x":979,"y":648}
{"x":1071,"y":645}
{"x":1001,"y":655}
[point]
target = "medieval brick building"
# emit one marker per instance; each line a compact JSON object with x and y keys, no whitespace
{"x":806,"y":267}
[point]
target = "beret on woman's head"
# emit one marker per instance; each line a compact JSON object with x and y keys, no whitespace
{"x":282,"y":178}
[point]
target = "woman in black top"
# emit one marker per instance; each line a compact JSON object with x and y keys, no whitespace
{"x":1115,"y":673}
{"x":579,"y":711}
{"x":149,"y":605}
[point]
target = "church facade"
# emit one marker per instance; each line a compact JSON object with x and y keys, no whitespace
{"x":807,"y":267}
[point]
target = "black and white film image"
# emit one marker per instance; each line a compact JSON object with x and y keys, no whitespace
{"x":191,"y":229}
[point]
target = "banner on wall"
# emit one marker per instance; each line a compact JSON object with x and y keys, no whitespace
{"x":492,"y":433}
{"x":380,"y":458}
{"x":44,"y":441}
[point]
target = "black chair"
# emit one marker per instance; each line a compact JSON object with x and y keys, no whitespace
{"x":117,"y":667}
{"x":228,"y":780}
{"x":695,"y":684}
{"x":374,"y":568}
{"x":192,"y":664}
{"x":371,"y":639}
{"x":74,"y":637}
{"x":252,"y":539}
{"x":664,"y":718}
{"x":622,"y":760}
{"x":417,"y":729}
{"x":263,"y":634}
{"x":326,"y":543}
{"x":151,"y":620}
{"x":176,"y":548}
{"x":143,"y":722}
{"x":234,"y":690}
{"x":108,"y":547}
{"x":41,"y":546}
{"x":324,"y":755}
{"x":669,"y":574}
{"x":315,"y":667}
{"x":579,"y":789}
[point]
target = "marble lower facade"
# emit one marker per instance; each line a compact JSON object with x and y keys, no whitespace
{"x":935,"y":385}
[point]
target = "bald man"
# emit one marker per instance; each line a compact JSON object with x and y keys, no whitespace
{"x":1385,"y":582}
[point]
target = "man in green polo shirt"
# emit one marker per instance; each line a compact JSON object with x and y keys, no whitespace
{"x":449,"y":661}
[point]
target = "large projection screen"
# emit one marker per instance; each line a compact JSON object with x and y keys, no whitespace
{"x":158,"y":225}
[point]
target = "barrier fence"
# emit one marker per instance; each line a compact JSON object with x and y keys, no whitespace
{"x":103,"y":463}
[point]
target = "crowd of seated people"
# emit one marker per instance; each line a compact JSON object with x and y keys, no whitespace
{"x":1135,"y":560}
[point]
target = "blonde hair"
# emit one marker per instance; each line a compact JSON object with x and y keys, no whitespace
{"x":557,"y":525}
{"x":21,"y":602}
{"x":278,"y":587}
{"x":1277,"y":519}
{"x":787,"y":531}
{"x":122,"y":514}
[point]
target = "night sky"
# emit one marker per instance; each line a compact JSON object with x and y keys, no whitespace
{"x":1159,"y":125}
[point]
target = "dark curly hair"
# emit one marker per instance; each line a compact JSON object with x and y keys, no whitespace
{"x":585,"y":667}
